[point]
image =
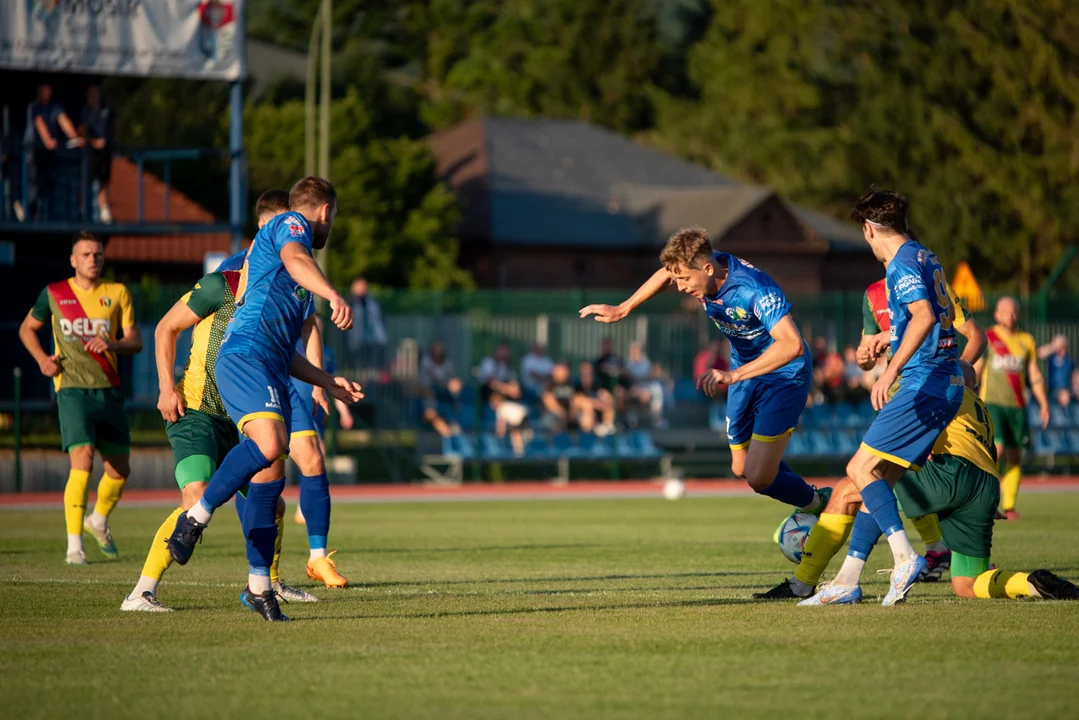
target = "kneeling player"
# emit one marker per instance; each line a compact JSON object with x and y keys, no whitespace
{"x":959,"y":484}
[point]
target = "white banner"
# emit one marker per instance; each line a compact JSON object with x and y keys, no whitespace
{"x":171,"y":38}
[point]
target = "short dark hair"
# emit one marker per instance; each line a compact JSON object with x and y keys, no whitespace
{"x":882,"y":207}
{"x":85,"y":235}
{"x":272,"y":201}
{"x":312,"y":192}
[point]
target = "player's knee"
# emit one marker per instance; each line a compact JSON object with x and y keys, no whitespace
{"x":82,"y":457}
{"x":118,"y":466}
{"x":758,"y":478}
{"x":307,"y":455}
{"x":963,"y":587}
{"x":272,"y":446}
{"x":845,"y":500}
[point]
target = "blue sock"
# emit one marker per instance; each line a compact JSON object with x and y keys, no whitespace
{"x":863,"y":536}
{"x":789,"y":487}
{"x":239,"y":466}
{"x":880,"y":501}
{"x":315,"y":505}
{"x":260,"y":524}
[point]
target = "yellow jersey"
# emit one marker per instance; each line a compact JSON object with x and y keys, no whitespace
{"x":1007,"y":357}
{"x":970,"y":435}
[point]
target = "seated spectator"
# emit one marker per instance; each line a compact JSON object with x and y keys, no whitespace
{"x":536,"y":369}
{"x":609,"y":370}
{"x":829,"y":374}
{"x":854,"y":376}
{"x":645,"y":388}
{"x":439,"y":387}
{"x":97,"y":129}
{"x":1061,"y":369}
{"x":496,"y":375}
{"x":562,"y":410}
{"x":45,"y":120}
{"x":510,"y":417}
{"x":601,"y":400}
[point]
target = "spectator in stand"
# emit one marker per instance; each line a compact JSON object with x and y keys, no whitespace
{"x":829,"y":373}
{"x":610,"y":373}
{"x":496,"y":375}
{"x":441,"y":388}
{"x":645,"y":388}
{"x":854,"y":376}
{"x":367,"y":338}
{"x":591,"y":394}
{"x":1061,"y":369}
{"x":45,"y":120}
{"x":511,"y":417}
{"x":98,"y":131}
{"x":712,"y":357}
{"x":561,"y":412}
{"x":536,"y":370}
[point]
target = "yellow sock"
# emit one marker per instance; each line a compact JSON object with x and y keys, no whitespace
{"x":109,"y":490}
{"x":75,"y":493}
{"x":1000,"y":584}
{"x":1009,"y":486}
{"x":928,"y":526}
{"x":275,"y":574}
{"x":158,"y":559}
{"x":824,"y":541}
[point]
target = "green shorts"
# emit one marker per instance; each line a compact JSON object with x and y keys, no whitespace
{"x":199,"y":442}
{"x":1010,"y":426}
{"x":94,"y":417}
{"x":963,"y":496}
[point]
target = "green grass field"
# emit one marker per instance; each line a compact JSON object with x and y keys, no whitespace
{"x":590,"y":608}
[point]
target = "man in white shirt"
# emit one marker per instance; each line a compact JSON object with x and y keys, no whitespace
{"x":536,"y":369}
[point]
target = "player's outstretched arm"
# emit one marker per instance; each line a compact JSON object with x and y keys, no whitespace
{"x":660,"y":281}
{"x":341,"y":388}
{"x":49,"y":364}
{"x":304,"y":270}
{"x":179,"y":318}
{"x":922,"y":320}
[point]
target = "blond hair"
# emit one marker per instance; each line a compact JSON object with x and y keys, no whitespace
{"x":687,"y":248}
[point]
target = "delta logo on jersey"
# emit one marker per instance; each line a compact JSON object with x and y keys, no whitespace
{"x":84,"y":328}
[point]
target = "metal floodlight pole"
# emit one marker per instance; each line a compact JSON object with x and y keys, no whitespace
{"x":324,"y":109}
{"x":309,"y":97}
{"x":237,"y":191}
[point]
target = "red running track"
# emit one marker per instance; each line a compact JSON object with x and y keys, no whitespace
{"x":479,"y":492}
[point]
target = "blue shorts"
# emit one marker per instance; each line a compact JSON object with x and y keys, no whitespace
{"x":909,"y":424}
{"x":765,"y":409}
{"x":303,"y":420}
{"x":250,"y":391}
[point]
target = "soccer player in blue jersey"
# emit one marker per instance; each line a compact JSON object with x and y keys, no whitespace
{"x":252,"y":372}
{"x":771,"y":367}
{"x":925,"y":359}
{"x":305,"y":444}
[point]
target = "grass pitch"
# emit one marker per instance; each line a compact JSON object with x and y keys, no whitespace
{"x":590,"y":608}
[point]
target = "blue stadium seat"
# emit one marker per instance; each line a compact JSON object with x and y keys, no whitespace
{"x":458,"y":445}
{"x":493,"y":447}
{"x":646,"y":447}
{"x":623,"y":447}
{"x":1032,"y":415}
{"x":562,"y":446}
{"x":717,"y":416}
{"x":1059,"y":417}
{"x":537,"y":447}
{"x":1073,"y":441}
{"x":1049,"y":442}
{"x":592,"y":446}
{"x":818,"y":416}
{"x":798,"y":446}
{"x":820,"y":443}
{"x":685,"y":390}
{"x":847,"y":415}
{"x":846,"y":442}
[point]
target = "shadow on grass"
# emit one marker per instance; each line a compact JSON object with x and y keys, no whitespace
{"x":487,"y":548}
{"x":583,"y":578}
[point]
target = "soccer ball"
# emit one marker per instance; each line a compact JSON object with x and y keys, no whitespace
{"x":791,"y":535}
{"x":674,"y":489}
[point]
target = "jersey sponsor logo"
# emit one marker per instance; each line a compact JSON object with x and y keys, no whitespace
{"x":769,"y":302}
{"x":908,"y":283}
{"x":747,"y":264}
{"x":1007,"y":363}
{"x":300,"y":293}
{"x":956,"y":380}
{"x":737,"y":313}
{"x":67,"y":302}
{"x":106,"y":302}
{"x":295,"y":228}
{"x":946,"y":343}
{"x":738,"y":331}
{"x":84,"y":328}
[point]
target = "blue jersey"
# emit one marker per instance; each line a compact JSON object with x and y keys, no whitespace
{"x":915,"y":274}
{"x":272,"y":308}
{"x":746,"y":308}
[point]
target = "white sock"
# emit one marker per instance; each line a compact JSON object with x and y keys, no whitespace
{"x":317,"y":553}
{"x":815,"y":505}
{"x":850,"y":573}
{"x":901,"y":547}
{"x":145,"y":584}
{"x":199,"y":513}
{"x":258,"y":584}
{"x":74,"y":543}
{"x":938,"y":546}
{"x":99,"y":522}
{"x":1033,"y":591}
{"x":800,"y":588}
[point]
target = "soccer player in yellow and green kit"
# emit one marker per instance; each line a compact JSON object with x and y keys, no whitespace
{"x":87,"y":317}
{"x":1009,"y":365}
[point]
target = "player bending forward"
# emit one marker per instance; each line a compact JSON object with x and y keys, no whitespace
{"x":771,"y":367}
{"x":958,"y":483}
{"x":86,"y":316}
{"x":252,"y":374}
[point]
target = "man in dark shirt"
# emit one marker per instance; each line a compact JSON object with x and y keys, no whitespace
{"x":45,"y":120}
{"x":562,"y":410}
{"x":97,"y":128}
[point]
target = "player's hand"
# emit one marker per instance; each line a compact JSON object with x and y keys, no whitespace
{"x":604,"y":313}
{"x":880,"y":344}
{"x":863,"y":354}
{"x":98,"y":345}
{"x":345,"y":390}
{"x":709,"y":382}
{"x":1043,"y":415}
{"x":170,"y":405}
{"x":50,"y":366}
{"x":879,"y":394}
{"x":318,"y":400}
{"x":341,"y":312}
{"x":49,"y":143}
